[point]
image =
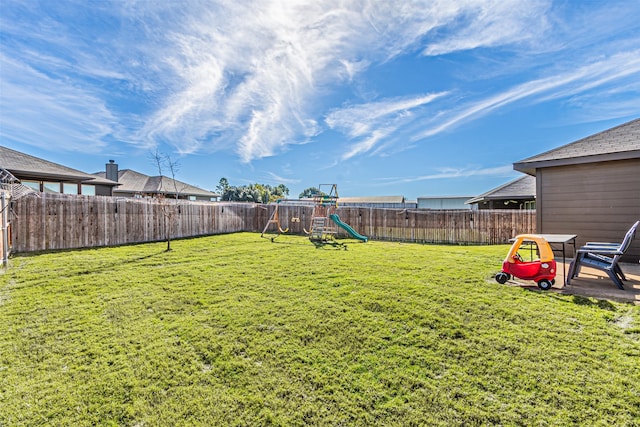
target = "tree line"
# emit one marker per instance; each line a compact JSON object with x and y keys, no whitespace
{"x":257,"y":193}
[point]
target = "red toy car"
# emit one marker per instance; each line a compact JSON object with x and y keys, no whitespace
{"x":530,"y":258}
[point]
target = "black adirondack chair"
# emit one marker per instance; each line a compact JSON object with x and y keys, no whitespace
{"x":603,"y":256}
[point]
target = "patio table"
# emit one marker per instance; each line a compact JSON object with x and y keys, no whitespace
{"x":563,"y":239}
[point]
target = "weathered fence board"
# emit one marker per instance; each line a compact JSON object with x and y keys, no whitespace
{"x":440,"y":226}
{"x":5,"y":230}
{"x":55,"y":221}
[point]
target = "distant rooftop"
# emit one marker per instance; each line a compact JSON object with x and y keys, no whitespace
{"x":520,"y":188}
{"x":135,"y":182}
{"x":442,"y":197}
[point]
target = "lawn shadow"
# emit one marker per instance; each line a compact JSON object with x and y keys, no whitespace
{"x":324,"y":244}
{"x":333,"y":244}
{"x":603,"y":304}
{"x":286,"y":242}
{"x":560,"y":296}
{"x":585,"y":301}
{"x":111,"y":265}
{"x":86,"y":271}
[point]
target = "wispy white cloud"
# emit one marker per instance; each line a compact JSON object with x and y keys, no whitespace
{"x":492,"y":23}
{"x":452,"y":173}
{"x":58,"y":114}
{"x":252,"y":75}
{"x":562,"y":85}
{"x":371,"y":123}
{"x":256,"y":76}
{"x":277,"y":179}
{"x":621,"y":102}
{"x":374,"y":138}
{"x":376,"y":122}
{"x":615,"y":68}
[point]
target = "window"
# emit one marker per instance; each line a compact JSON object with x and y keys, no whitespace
{"x":192,"y":198}
{"x":88,"y":190}
{"x":34,"y":185}
{"x":69,"y":188}
{"x":51,"y":187}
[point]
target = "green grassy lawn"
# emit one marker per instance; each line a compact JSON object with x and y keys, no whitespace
{"x":236,"y":330}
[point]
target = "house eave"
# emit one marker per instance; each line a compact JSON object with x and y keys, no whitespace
{"x":25,"y":174}
{"x":494,"y":198}
{"x":530,"y":167}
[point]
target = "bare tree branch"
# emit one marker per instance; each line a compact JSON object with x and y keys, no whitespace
{"x":170,"y":209}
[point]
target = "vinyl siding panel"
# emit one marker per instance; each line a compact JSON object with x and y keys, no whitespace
{"x":597,"y":201}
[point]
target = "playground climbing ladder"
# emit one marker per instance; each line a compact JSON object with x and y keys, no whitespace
{"x":325,"y":203}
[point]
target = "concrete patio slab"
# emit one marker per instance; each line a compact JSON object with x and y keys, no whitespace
{"x":594,"y":284}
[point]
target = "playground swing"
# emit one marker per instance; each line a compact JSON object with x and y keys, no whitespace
{"x":275,"y":220}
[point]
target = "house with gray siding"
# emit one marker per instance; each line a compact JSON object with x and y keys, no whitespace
{"x":389,"y":202}
{"x":443,"y":202}
{"x":517,"y":194}
{"x":590,"y":187}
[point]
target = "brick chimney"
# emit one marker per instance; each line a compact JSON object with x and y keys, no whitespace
{"x":112,"y":170}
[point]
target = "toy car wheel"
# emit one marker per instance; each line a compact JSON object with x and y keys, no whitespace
{"x":502,"y":278}
{"x":545,"y":284}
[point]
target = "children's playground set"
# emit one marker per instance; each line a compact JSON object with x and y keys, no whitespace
{"x":324,"y":220}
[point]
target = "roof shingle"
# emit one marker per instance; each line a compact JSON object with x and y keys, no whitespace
{"x":24,"y":165}
{"x":135,"y":182}
{"x":620,"y":142}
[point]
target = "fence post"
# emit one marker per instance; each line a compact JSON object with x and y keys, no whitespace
{"x":4,"y":208}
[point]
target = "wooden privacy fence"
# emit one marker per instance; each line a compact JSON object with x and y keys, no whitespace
{"x":417,"y":225}
{"x":56,"y":221}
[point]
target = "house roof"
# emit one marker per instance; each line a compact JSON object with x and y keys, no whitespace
{"x":520,"y":188}
{"x":135,"y":182}
{"x":618,"y":143}
{"x":24,"y":166}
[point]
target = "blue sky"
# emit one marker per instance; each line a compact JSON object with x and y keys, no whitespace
{"x":413,"y":98}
